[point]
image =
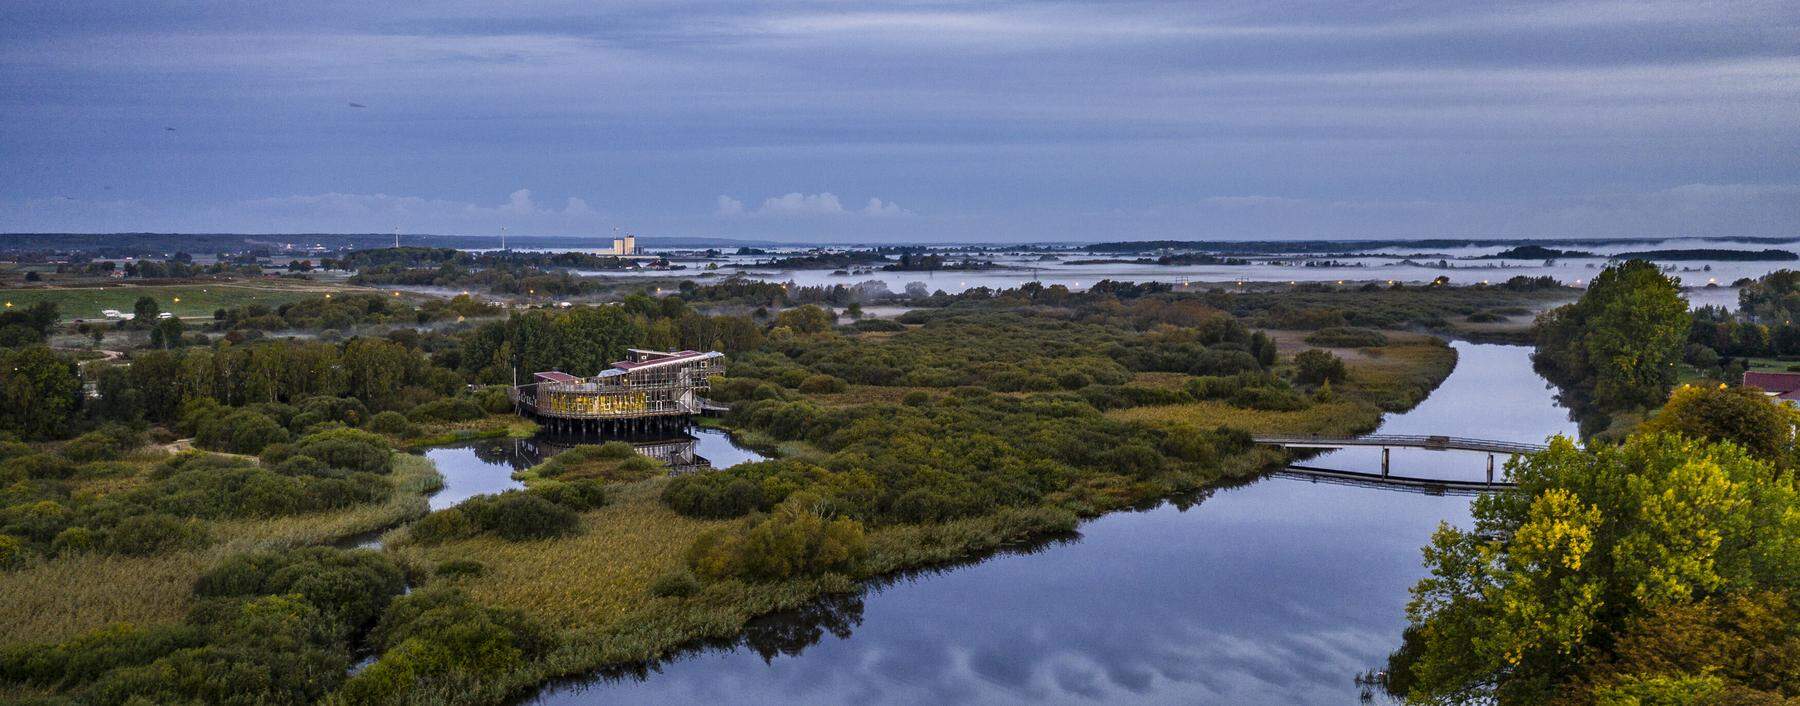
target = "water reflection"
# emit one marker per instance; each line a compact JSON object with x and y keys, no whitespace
{"x":1278,"y":592}
{"x":486,"y":466}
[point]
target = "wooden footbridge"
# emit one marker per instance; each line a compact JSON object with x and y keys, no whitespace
{"x":1387,"y":442}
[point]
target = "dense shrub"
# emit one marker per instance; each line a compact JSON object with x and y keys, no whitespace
{"x":1346,"y":337}
{"x":153,"y":534}
{"x":794,"y":540}
{"x":318,"y":410}
{"x":37,"y":466}
{"x":267,"y":628}
{"x":243,"y":431}
{"x":448,"y":410}
{"x":712,"y":495}
{"x":347,"y":449}
{"x":547,"y":510}
{"x":679,"y":583}
{"x":392,"y":423}
{"x":578,"y":495}
{"x":101,"y":445}
{"x":435,"y":638}
{"x":821,"y":384}
{"x":612,"y":462}
{"x":350,"y":587}
{"x":874,"y":325}
{"x":460,"y":568}
{"x":1316,"y":366}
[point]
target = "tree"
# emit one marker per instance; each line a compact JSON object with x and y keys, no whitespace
{"x":1773,"y":298}
{"x":1617,"y":348}
{"x":166,"y":334}
{"x":805,"y":319}
{"x":143,"y":313}
{"x":40,"y":392}
{"x":1316,"y":366}
{"x":375,"y":369}
{"x":1740,"y":415}
{"x":1591,"y":545}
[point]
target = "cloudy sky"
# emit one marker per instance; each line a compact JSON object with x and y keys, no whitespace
{"x":852,"y":122}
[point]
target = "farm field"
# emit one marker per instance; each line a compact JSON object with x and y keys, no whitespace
{"x":196,"y":300}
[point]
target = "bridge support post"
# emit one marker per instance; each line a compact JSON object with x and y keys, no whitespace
{"x":1384,"y":461}
{"x":1490,"y":469}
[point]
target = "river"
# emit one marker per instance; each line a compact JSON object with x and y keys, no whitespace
{"x":1276,"y":591}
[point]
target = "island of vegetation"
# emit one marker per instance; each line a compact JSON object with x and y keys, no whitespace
{"x":1535,"y":252}
{"x":1727,"y":255}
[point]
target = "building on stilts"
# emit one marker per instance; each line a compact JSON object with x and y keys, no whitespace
{"x":649,"y":393}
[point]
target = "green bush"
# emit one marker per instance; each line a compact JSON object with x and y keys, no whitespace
{"x":679,"y":583}
{"x":792,"y":541}
{"x":520,"y":516}
{"x":821,"y":384}
{"x":578,"y":495}
{"x":515,"y":515}
{"x":315,"y":411}
{"x":712,"y":495}
{"x":92,"y":446}
{"x":460,"y":568}
{"x":88,"y":656}
{"x":877,"y":325}
{"x":243,"y":431}
{"x":37,"y":466}
{"x":445,"y":525}
{"x":1347,"y":337}
{"x":143,"y":535}
{"x":347,"y":449}
{"x":392,"y":423}
{"x":438,"y":635}
{"x":1316,"y":366}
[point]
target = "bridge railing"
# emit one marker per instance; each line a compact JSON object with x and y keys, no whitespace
{"x":1407,"y":440}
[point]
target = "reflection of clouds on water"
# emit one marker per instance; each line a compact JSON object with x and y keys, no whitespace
{"x":1274,"y":592}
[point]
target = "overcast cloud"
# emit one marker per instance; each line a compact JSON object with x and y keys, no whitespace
{"x":930,"y":121}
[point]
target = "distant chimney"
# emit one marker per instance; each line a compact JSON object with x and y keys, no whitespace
{"x":630,"y":244}
{"x":618,"y":246}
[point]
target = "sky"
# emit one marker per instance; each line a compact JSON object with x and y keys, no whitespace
{"x":904,"y":121}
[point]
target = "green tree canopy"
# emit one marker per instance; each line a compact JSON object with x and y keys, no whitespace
{"x":39,"y":392}
{"x":1741,"y":415}
{"x":1588,"y":548}
{"x":1617,"y":348}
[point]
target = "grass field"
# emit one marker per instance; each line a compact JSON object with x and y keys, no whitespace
{"x":1392,"y":377}
{"x":589,"y":580}
{"x":196,"y":300}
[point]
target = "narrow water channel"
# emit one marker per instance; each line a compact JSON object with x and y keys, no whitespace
{"x":486,"y":466}
{"x":1276,"y":591}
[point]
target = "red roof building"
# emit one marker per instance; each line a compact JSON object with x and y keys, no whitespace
{"x":1781,"y":385}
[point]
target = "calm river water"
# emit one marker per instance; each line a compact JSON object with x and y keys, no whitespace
{"x":1277,"y":591}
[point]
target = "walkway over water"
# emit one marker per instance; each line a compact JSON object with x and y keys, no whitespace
{"x":1391,"y":441}
{"x":1439,"y":443}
